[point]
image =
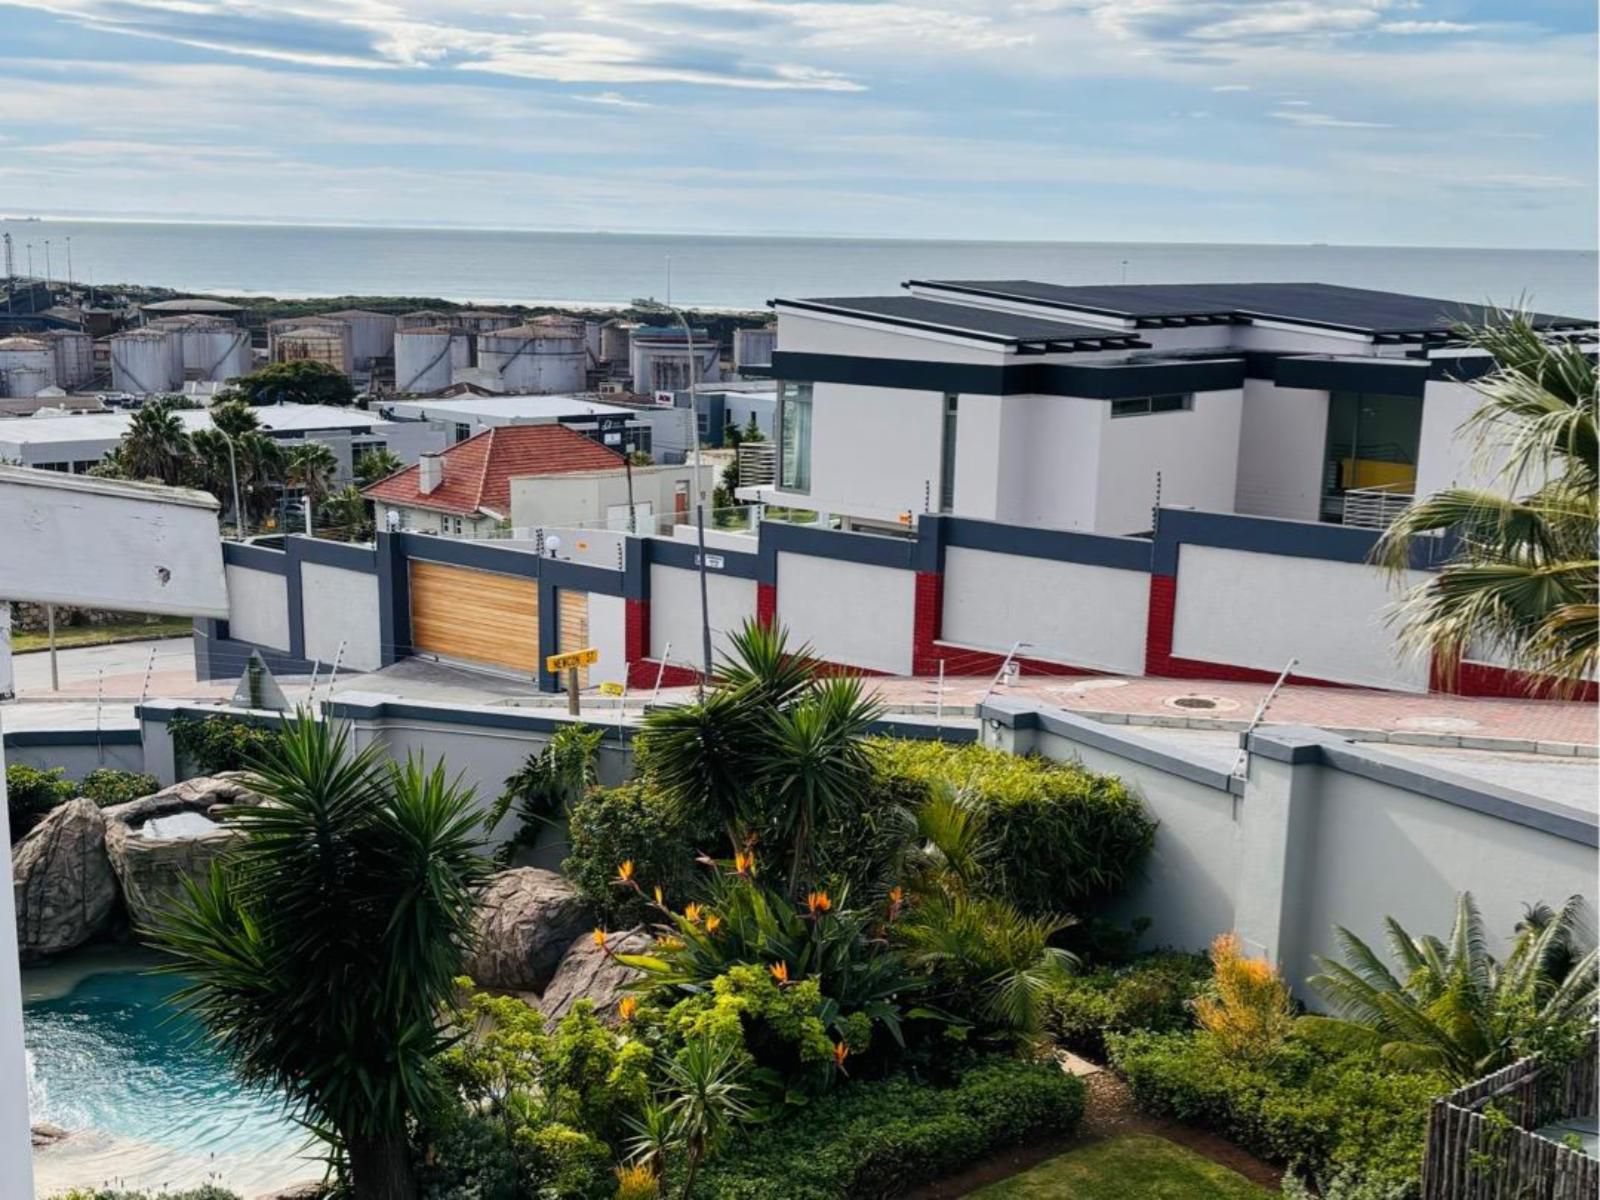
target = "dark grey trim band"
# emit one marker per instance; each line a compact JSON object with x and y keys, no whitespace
{"x":1380,"y":376}
{"x":1270,"y":535}
{"x":72,"y":737}
{"x":257,"y":558}
{"x":869,"y":549}
{"x":1059,"y":545}
{"x":684,"y":556}
{"x":1110,"y":381}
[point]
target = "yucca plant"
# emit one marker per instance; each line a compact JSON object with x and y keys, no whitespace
{"x":321,"y":950}
{"x":1522,"y":581}
{"x":1453,"y":1006}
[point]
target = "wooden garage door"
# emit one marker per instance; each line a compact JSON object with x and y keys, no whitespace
{"x":574,"y":634}
{"x":476,"y":616}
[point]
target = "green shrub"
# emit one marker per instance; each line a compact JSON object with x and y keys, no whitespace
{"x":879,"y":1138}
{"x":1320,"y":1112}
{"x":1065,"y":839}
{"x":107,"y":786}
{"x":30,"y":793}
{"x":567,"y":1163}
{"x":469,"y":1160}
{"x":1152,"y":993}
{"x":634,"y":822}
{"x":219,"y":743}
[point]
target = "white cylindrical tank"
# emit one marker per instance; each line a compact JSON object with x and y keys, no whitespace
{"x":74,"y":357}
{"x":146,"y":361}
{"x":614,"y":336}
{"x":753,"y":347}
{"x":534,"y":358}
{"x":20,"y":359}
{"x":423,"y":318}
{"x":325,"y":339}
{"x":591,"y":340}
{"x":483,"y":322}
{"x":371,"y":334}
{"x":426,"y":359}
{"x":216,"y":350}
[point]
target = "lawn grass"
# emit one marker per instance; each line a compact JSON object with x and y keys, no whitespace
{"x":1133,"y":1166}
{"x":100,"y":635}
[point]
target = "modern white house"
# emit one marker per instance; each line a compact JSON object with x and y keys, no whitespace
{"x":72,"y":444}
{"x":641,"y":500}
{"x":1086,"y":407}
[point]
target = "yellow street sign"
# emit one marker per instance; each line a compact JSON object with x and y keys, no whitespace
{"x":572,"y":658}
{"x":611,"y":688}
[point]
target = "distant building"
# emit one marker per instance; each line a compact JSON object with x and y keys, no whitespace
{"x":465,"y":491}
{"x":466,"y":415}
{"x":73,"y":444}
{"x":642,"y":500}
{"x":189,"y":306}
{"x":725,"y":404}
{"x":659,"y":361}
{"x":1085,"y":407}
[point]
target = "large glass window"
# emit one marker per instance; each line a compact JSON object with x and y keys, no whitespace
{"x":794,"y":437}
{"x":947,"y":456}
{"x":1144,"y":406}
{"x":1372,"y":447}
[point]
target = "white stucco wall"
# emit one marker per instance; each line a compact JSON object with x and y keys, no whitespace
{"x":1283,"y":434}
{"x":1056,"y":439}
{"x":1445,"y":458}
{"x":340,"y":606}
{"x":848,"y":612}
{"x":1072,"y":613}
{"x":874,"y":451}
{"x":608,"y":634}
{"x":1258,"y":610}
{"x":675,"y":611}
{"x":258,"y":607}
{"x":1195,"y":451}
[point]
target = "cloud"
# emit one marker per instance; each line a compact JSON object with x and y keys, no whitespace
{"x":1232,"y":87}
{"x":614,"y":98}
{"x":1233,"y":21}
{"x":1405,"y":28}
{"x":1318,"y":120}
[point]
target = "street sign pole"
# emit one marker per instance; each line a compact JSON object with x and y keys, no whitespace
{"x":572,"y":692}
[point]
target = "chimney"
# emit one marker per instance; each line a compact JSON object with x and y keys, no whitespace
{"x":430,"y":473}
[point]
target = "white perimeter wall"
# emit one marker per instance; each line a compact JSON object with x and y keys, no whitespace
{"x":1282,"y":437}
{"x":608,"y":633}
{"x":848,"y":612}
{"x":1069,"y":612}
{"x":1196,"y":453}
{"x":675,"y":611}
{"x":1258,"y":610}
{"x":1445,"y":458}
{"x":338,"y":606}
{"x":258,"y":607}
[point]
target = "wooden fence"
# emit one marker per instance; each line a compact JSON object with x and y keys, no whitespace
{"x":1481,"y":1144}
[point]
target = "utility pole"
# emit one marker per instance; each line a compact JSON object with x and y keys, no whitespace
{"x":69,"y":267}
{"x":49,"y":285}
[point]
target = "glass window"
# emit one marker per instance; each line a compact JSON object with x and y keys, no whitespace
{"x":794,"y":437}
{"x":947,"y":459}
{"x":1142,"y":406}
{"x":463,"y":431}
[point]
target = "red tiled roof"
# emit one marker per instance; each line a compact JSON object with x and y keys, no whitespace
{"x":478,"y":471}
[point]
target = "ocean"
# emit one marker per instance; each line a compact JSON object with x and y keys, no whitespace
{"x":509,"y":266}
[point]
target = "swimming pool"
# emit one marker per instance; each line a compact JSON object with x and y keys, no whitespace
{"x":148,"y":1100}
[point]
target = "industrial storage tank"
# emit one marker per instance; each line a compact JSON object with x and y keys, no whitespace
{"x":371,"y":334}
{"x":426,"y":359}
{"x":212,"y":349}
{"x":534,"y":358}
{"x":754,"y":347}
{"x":146,"y":361}
{"x":483,"y":322}
{"x":74,"y":357}
{"x":614,"y":335}
{"x":22,"y":359}
{"x":317,"y":338}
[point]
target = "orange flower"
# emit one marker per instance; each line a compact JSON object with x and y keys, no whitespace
{"x":625,"y":871}
{"x":669,"y":943}
{"x":896,"y":894}
{"x":660,"y":899}
{"x":840,"y":1053}
{"x":627,"y":1006}
{"x":818,"y":903}
{"x":744,"y":862}
{"x":600,"y":938}
{"x":712,"y":921}
{"x":691,"y":913}
{"x":780,"y":972}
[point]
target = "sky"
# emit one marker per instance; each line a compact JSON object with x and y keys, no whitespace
{"x":1420,"y":122}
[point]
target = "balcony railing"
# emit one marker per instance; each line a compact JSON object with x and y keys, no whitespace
{"x":1375,"y":507}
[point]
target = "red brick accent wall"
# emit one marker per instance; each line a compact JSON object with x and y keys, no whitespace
{"x":766,"y":603}
{"x":1481,"y":679}
{"x":927,"y":650}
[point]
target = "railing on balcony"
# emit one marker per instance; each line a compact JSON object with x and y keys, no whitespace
{"x":1375,"y":507}
{"x":758,"y":464}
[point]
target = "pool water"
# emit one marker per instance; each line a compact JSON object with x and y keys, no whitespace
{"x":112,"y":1056}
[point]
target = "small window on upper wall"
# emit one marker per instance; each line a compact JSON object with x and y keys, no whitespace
{"x":1143,"y":406}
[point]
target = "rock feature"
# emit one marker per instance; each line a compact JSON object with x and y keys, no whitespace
{"x":62,"y":881}
{"x":527,"y":917}
{"x":151,"y":870}
{"x":589,"y":973}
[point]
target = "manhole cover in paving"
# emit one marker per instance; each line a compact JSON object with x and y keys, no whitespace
{"x":1201,"y":704}
{"x":1437,"y":724}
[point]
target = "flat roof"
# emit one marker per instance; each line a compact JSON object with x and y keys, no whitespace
{"x":1331,"y":306}
{"x":508,"y":406}
{"x":194,"y":304}
{"x":109,"y":426}
{"x":984,"y":324}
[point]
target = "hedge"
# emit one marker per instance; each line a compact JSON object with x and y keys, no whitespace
{"x":879,"y":1138}
{"x":1151,"y":993}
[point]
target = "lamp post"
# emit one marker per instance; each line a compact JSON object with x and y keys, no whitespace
{"x":699,"y":497}
{"x":233,"y":468}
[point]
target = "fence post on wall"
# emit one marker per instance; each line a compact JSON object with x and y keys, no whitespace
{"x":661,"y":669}
{"x":938,"y":702}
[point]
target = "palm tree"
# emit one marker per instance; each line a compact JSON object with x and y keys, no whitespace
{"x":312,"y":468}
{"x":1522,"y":580}
{"x":1452,"y":1005}
{"x":155,"y":444}
{"x":234,"y":417}
{"x":375,"y":465}
{"x":775,"y":751}
{"x":705,"y":1097}
{"x":347,"y":509}
{"x":321,"y":951}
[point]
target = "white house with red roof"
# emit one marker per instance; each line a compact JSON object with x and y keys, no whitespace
{"x":465,"y":491}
